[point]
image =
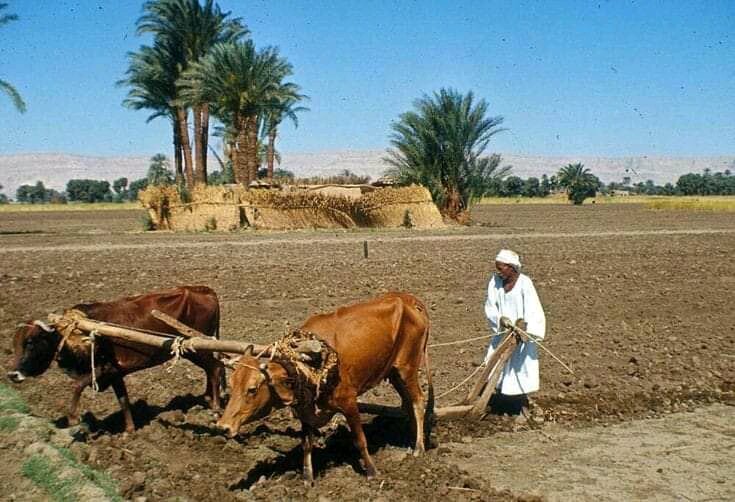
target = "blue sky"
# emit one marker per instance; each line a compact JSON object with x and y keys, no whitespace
{"x":608,"y":78}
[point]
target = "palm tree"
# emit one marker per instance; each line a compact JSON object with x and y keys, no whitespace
{"x":187,"y":30}
{"x":240,"y":83}
{"x":439,"y":145}
{"x":153,"y":87}
{"x":579,"y":182}
{"x":5,"y":86}
{"x":282,"y":107}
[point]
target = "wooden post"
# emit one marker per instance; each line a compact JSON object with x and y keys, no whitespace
{"x":365,"y":249}
{"x":397,"y":411}
{"x":132,"y":335}
{"x":453,"y":411}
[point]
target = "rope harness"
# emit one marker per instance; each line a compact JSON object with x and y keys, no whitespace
{"x":312,"y":377}
{"x":179,"y":347}
{"x":76,"y":339}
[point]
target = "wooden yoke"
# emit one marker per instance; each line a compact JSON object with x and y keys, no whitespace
{"x":163,"y":341}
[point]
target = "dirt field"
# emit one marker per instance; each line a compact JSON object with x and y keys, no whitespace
{"x":638,"y":302}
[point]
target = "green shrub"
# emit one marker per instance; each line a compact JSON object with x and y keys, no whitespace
{"x":147,"y":222}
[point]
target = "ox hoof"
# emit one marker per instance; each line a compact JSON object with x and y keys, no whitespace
{"x":308,"y":479}
{"x":372,"y":472}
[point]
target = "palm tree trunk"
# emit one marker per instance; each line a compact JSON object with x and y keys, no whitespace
{"x":185,"y":146}
{"x":253,"y":147}
{"x":271,"y":153}
{"x":240,"y":152}
{"x":453,"y":204}
{"x":205,"y":140}
{"x":197,"y":112}
{"x":177,"y":152}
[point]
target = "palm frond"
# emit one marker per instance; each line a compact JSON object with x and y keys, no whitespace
{"x":14,"y":96}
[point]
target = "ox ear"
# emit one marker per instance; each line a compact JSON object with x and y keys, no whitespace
{"x":277,"y":379}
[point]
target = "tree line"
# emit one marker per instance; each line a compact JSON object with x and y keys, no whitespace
{"x":573,"y":179}
{"x":706,"y":183}
{"x":91,"y":191}
{"x":159,"y":173}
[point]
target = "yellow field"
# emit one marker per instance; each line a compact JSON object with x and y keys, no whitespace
{"x":711,"y":203}
{"x":76,"y":206}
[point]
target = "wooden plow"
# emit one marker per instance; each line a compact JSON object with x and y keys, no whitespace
{"x":473,"y":405}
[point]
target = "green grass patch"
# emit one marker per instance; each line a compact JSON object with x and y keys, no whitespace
{"x":8,"y":424}
{"x":45,"y":475}
{"x":99,"y":478}
{"x":10,"y":401}
{"x":73,"y":206}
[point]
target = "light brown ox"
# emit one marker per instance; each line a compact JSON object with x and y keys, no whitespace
{"x":382,"y":338}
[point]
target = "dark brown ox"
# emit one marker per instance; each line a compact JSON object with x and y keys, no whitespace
{"x":382,"y":338}
{"x":37,"y":345}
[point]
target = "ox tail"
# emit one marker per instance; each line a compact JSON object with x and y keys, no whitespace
{"x":429,"y":416}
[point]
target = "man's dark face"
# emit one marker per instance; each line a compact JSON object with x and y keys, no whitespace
{"x":505,"y":271}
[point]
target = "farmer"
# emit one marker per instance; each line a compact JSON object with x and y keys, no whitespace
{"x":512,"y":300}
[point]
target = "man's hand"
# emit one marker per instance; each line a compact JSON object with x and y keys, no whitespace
{"x":520,"y":323}
{"x":505,"y":323}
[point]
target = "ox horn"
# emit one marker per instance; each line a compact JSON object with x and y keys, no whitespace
{"x":229,"y":362}
{"x":43,"y":326}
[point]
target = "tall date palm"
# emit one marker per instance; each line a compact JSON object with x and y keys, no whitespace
{"x":153,"y":87}
{"x":240,"y":83}
{"x":440,"y":145}
{"x":186,"y":30}
{"x":283,"y":106}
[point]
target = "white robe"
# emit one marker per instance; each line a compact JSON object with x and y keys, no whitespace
{"x":521,"y":374}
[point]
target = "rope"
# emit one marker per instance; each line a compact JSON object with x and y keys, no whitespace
{"x":535,"y":340}
{"x":178,"y":348}
{"x":461,"y":383}
{"x":460,"y":341}
{"x":92,"y":336}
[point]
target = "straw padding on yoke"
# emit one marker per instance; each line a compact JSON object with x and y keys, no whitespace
{"x":312,"y":367}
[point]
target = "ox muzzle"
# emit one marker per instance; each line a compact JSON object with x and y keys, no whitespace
{"x":228,"y":429}
{"x":16,"y":376}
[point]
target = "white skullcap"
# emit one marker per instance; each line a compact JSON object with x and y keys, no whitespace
{"x":509,"y":257}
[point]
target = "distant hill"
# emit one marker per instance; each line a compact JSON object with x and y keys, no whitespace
{"x":56,"y":169}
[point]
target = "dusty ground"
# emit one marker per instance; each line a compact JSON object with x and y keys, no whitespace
{"x":639,"y":302}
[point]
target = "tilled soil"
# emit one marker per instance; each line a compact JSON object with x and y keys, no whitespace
{"x":644,"y":317}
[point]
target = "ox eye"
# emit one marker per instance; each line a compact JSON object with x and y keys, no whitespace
{"x":252,"y":390}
